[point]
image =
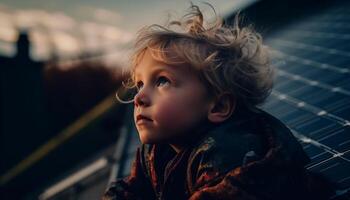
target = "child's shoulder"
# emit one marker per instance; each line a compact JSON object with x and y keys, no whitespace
{"x":226,"y":147}
{"x":240,"y":141}
{"x":246,"y":133}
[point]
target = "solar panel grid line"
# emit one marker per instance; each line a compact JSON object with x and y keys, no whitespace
{"x":319,"y":99}
{"x":332,"y":57}
{"x":330,"y":150}
{"x":299,"y":120}
{"x":347,"y":151}
{"x":345,"y":142}
{"x":329,"y":155}
{"x":311,"y":120}
{"x":313,"y":83}
{"x":296,"y":91}
{"x":310,"y":95}
{"x":311,"y":47}
{"x":319,"y":56}
{"x":318,"y":155}
{"x":318,"y":160}
{"x":292,"y":66}
{"x":343,"y":112}
{"x":324,"y":147}
{"x":334,"y":141}
{"x":313,"y":165}
{"x":290,"y":81}
{"x":323,"y":129}
{"x":287,"y":84}
{"x":334,"y":138}
{"x":282,"y":111}
{"x":328,"y":136}
{"x":313,"y":109}
{"x":315,"y":153}
{"x":272,"y":101}
{"x":316,"y":96}
{"x":293,"y":116}
{"x":309,"y":167}
{"x":310,"y":62}
{"x":329,"y":167}
{"x":336,"y":104}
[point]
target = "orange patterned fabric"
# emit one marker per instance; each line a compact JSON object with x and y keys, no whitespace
{"x":250,"y":157}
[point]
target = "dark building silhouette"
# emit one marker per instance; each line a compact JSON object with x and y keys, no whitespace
{"x":23,"y":47}
{"x":23,"y":117}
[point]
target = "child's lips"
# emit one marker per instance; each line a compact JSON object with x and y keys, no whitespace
{"x":142,"y":119}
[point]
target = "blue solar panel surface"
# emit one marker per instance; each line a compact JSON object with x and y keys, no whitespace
{"x":312,"y":89}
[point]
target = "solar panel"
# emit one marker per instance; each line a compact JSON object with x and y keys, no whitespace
{"x":312,"y":89}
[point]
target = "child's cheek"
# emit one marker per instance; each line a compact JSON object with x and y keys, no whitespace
{"x":173,"y":115}
{"x":168,"y":115}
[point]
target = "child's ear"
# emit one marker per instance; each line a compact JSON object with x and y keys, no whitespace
{"x":221,"y":108}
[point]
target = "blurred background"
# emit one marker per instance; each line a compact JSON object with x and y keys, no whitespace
{"x":65,"y":136}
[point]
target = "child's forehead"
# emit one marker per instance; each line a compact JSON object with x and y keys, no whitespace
{"x":149,"y":62}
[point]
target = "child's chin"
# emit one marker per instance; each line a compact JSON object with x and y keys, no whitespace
{"x":148,"y":140}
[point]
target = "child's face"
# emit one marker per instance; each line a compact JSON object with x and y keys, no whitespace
{"x":171,"y":97}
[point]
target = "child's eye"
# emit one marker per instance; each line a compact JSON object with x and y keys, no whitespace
{"x":162,"y":81}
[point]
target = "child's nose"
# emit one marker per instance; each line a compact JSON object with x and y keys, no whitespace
{"x":141,"y":99}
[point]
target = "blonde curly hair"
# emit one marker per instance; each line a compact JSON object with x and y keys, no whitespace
{"x":228,"y":59}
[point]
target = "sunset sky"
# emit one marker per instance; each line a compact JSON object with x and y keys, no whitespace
{"x":71,"y":27}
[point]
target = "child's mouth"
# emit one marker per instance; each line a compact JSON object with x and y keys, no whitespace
{"x":141,"y":118}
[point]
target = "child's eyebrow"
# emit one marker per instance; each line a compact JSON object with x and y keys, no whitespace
{"x":155,"y":72}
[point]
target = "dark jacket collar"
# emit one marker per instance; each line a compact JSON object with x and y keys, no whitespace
{"x":279,"y":135}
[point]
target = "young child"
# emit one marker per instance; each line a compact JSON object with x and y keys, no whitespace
{"x":203,"y":136}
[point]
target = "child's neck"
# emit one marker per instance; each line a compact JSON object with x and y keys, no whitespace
{"x":192,"y":137}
